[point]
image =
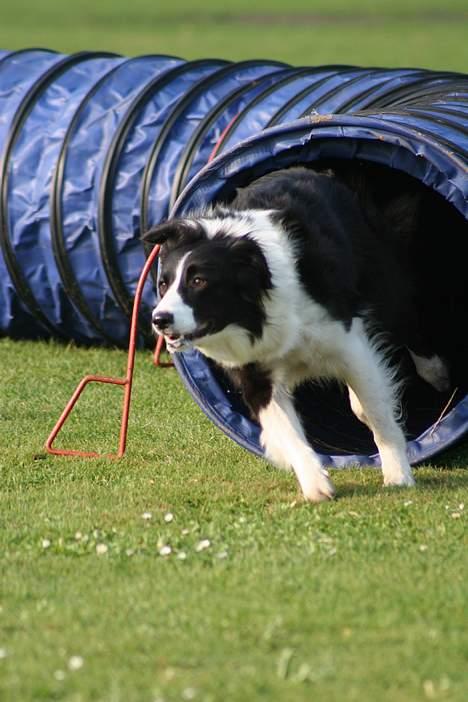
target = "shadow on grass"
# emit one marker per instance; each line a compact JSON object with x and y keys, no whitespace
{"x":427,"y":480}
{"x":454,"y":457}
{"x":448,"y":478}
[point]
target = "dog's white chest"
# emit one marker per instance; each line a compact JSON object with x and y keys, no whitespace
{"x":317,"y":353}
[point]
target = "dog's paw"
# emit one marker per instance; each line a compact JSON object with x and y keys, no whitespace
{"x":318,"y":487}
{"x":399,"y":480}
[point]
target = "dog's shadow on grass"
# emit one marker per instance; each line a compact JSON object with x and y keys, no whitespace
{"x":427,"y":480}
{"x":442,"y":478}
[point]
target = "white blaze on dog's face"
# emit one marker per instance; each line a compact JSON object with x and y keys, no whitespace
{"x":173,"y":316}
{"x":208,"y":281}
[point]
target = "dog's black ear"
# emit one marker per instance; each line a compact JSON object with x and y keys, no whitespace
{"x":174,"y":233}
{"x":252,"y":271}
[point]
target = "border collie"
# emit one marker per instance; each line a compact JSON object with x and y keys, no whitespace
{"x":291,"y":282}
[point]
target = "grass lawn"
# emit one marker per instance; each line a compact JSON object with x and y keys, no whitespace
{"x":424,"y":33}
{"x":191,"y":570}
{"x":261,"y":597}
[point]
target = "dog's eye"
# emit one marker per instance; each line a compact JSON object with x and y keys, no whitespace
{"x":162,"y":288}
{"x":198,"y":282}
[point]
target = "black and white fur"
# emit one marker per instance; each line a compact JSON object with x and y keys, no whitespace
{"x":286,"y":284}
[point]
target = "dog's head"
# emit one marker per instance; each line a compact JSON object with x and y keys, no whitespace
{"x":212,"y":276}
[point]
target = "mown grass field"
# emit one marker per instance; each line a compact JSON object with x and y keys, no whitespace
{"x":424,"y":33}
{"x":360,"y":599}
{"x":191,"y":570}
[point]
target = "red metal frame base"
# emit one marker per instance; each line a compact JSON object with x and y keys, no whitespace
{"x":125,"y":382}
{"x":159,"y":349}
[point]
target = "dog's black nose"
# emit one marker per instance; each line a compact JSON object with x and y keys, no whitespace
{"x":162,"y":320}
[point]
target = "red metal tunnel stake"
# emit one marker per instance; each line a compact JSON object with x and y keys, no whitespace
{"x":126,"y":382}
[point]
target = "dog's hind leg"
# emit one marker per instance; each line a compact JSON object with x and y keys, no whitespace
{"x":372,"y":384}
{"x":357,"y":407}
{"x":286,"y":445}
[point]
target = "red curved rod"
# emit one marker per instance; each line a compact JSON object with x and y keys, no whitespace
{"x":221,"y":138}
{"x":126,"y":382}
{"x":158,"y":350}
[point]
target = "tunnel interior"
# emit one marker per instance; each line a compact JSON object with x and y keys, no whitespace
{"x":436,"y":251}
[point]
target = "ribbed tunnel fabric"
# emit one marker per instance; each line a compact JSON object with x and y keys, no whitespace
{"x":97,"y":147}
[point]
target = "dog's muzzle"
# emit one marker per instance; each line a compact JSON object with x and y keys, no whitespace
{"x":162,"y":321}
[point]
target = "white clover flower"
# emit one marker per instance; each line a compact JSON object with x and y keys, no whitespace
{"x":75,"y":662}
{"x":181,"y":555}
{"x":45,"y":543}
{"x":165,"y":550}
{"x":146,"y":515}
{"x":429,"y":689}
{"x":101,"y":549}
{"x":202,"y":545}
{"x":78,"y":535}
{"x":169,"y":517}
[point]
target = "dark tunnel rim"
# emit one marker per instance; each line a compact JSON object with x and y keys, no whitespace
{"x":295,"y":99}
{"x":346,"y":106}
{"x":179,"y":109}
{"x":430,"y":86}
{"x":301,"y":71}
{"x":146,"y":179}
{"x":112,"y":157}
{"x":277,"y":117}
{"x":186,"y":159}
{"x":435,"y":99}
{"x":226,"y":68}
{"x":420,"y":76}
{"x":450,"y":145}
{"x":443,"y":111}
{"x":425,"y":113}
{"x":454,"y":425}
{"x":366,"y":73}
{"x":70,"y":281}
{"x":18,"y":52}
{"x":22,"y":287}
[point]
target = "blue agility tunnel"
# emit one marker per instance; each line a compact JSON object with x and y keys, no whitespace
{"x":425,"y":142}
{"x":96,"y":148}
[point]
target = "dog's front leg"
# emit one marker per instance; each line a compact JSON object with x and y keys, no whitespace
{"x":285,"y":444}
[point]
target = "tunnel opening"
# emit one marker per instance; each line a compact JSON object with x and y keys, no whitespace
{"x":436,"y":251}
